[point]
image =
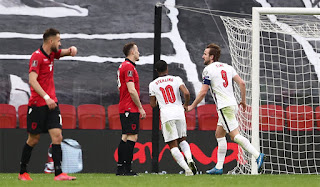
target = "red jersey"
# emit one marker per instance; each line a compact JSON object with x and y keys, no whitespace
{"x":42,"y":64}
{"x":127,"y":73}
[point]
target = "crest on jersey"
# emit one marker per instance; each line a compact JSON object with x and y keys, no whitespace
{"x":205,"y":73}
{"x":130,"y":73}
{"x":34,"y":63}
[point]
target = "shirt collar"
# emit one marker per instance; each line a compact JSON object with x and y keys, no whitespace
{"x":127,"y":59}
{"x":45,"y":54}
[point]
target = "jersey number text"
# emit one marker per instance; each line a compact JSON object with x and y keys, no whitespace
{"x":225,"y":78}
{"x":168,"y":94}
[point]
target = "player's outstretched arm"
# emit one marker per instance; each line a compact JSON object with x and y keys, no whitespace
{"x":200,"y":96}
{"x":71,"y":51}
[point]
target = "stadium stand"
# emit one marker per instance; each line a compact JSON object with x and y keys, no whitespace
{"x":299,"y":118}
{"x":191,"y":120}
{"x":68,"y":114}
{"x":8,"y":118}
{"x":207,"y":117}
{"x":22,"y":113}
{"x":114,"y":117}
{"x":271,"y":118}
{"x":91,"y":116}
{"x":146,"y":124}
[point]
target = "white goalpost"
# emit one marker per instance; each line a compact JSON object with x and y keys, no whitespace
{"x":277,"y":53}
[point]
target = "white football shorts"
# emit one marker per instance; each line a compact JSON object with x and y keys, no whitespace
{"x":227,"y":118}
{"x":174,"y":129}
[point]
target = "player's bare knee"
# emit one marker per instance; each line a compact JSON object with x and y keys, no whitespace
{"x":56,"y":139}
{"x":181,"y":139}
{"x":33,"y":140}
{"x":124,"y":137}
{"x":219,"y":135}
{"x":132,"y":137}
{"x":232,"y":138}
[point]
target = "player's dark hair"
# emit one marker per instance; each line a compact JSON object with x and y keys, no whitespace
{"x":50,"y":32}
{"x":215,"y":51}
{"x":127,"y":47}
{"x":161,"y":66}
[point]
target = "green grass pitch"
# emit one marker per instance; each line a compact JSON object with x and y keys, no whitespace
{"x":94,"y":179}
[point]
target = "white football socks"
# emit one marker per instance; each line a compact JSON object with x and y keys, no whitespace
{"x":177,"y":155}
{"x":185,"y":147}
{"x":222,"y":151}
{"x":246,"y":145}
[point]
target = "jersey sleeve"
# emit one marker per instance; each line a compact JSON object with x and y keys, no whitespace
{"x":206,"y":79}
{"x":151,"y":91}
{"x":128,"y":73}
{"x":180,"y":81}
{"x":233,"y":71}
{"x":57,"y":54}
{"x":35,"y":63}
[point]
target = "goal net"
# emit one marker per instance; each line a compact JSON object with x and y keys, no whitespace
{"x":279,"y":60}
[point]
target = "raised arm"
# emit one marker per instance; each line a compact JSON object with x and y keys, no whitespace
{"x":200,"y":96}
{"x":71,"y":51}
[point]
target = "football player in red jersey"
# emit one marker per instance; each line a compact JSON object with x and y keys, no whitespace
{"x":43,"y":109}
{"x":130,"y":108}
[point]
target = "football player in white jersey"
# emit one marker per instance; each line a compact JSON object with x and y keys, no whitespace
{"x":165,"y":90}
{"x":218,"y":77}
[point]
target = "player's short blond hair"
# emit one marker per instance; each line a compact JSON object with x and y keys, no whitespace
{"x":215,"y":51}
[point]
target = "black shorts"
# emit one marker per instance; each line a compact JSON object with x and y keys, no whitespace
{"x":41,"y":119}
{"x":129,"y":123}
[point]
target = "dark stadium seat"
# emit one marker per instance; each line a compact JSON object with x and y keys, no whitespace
{"x":191,"y":120}
{"x":91,"y":116}
{"x":22,"y":113}
{"x":114,"y":117}
{"x":146,"y":124}
{"x":68,"y":114}
{"x":317,"y":117}
{"x":299,"y":118}
{"x":8,"y":118}
{"x":207,"y":117}
{"x":271,"y":118}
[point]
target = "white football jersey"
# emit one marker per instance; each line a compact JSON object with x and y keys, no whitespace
{"x":166,"y":90}
{"x":219,"y":77}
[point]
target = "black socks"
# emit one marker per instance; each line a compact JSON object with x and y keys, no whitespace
{"x":122,"y":152}
{"x":57,"y":158}
{"x":130,"y":148}
{"x":25,"y":158}
{"x":125,"y":153}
